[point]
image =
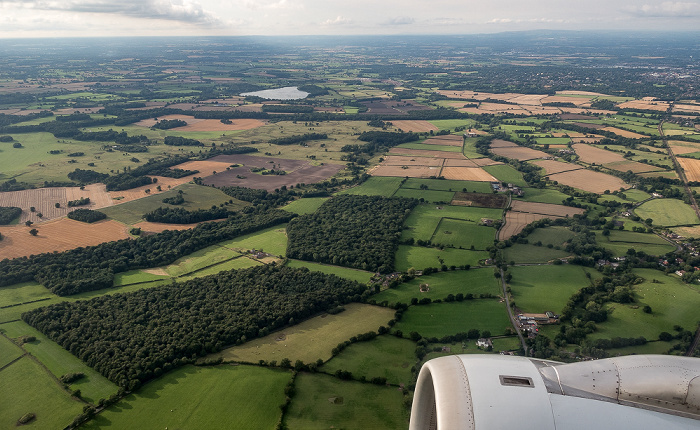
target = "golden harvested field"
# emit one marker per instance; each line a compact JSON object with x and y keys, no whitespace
{"x":197,"y":124}
{"x":578,"y":101}
{"x":467,"y":174}
{"x":58,"y":235}
{"x":691,"y":167}
{"x":400,"y":160}
{"x":481,"y":162}
{"x":591,"y":154}
{"x":544,"y":208}
{"x":552,"y":166}
{"x":448,"y":140}
{"x":681,"y":147}
{"x":588,"y":180}
{"x":498,"y":143}
{"x":426,"y":153}
{"x":401,"y":172}
{"x":519,"y":153}
{"x":502,"y":108}
{"x":136,"y":193}
{"x":528,"y":99}
{"x":44,"y":201}
{"x":157,"y":227}
{"x":686,"y":108}
{"x":671,"y":174}
{"x":461,"y":163}
{"x":587,"y":139}
{"x":645,"y":104}
{"x":693,"y":231}
{"x":419,"y":126}
{"x":580,"y":93}
{"x":634,"y":166}
{"x":625,"y":133}
{"x":516,"y":221}
{"x":206,"y":168}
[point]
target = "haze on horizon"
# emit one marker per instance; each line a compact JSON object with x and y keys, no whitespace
{"x":106,"y":18}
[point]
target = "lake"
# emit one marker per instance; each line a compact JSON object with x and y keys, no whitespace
{"x":286,"y":93}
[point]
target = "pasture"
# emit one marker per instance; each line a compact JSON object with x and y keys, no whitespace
{"x":53,"y":407}
{"x":305,"y":206}
{"x":555,"y":235}
{"x":507,"y":174}
{"x":447,"y":185}
{"x":525,"y":253}
{"x":432,"y":196}
{"x":376,"y":186}
{"x":442,"y":284}
{"x":442,"y":319}
{"x":323,"y":402}
{"x":23,"y":293}
{"x":272,"y":240}
{"x":672,"y":303}
{"x":543,"y":195}
{"x":196,"y":197}
{"x":220,"y":397}
{"x":667,"y":212}
{"x":59,"y":362}
{"x":538,"y":289}
{"x":201,"y":259}
{"x":424,"y":219}
{"x":463,"y":234}
{"x":311,"y":339}
{"x":384,"y":356}
{"x":431,"y":147}
{"x":344,"y":272}
{"x":618,"y":242}
{"x":420,"y":257}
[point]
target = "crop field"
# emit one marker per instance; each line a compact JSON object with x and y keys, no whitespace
{"x":59,"y":362}
{"x":446,"y":140}
{"x":344,"y":272}
{"x":691,"y":167}
{"x":376,"y":186}
{"x":442,"y":319}
{"x":625,"y":133}
{"x":272,"y":240}
{"x":311,"y":339}
{"x":467,"y":174}
{"x":543,"y":196}
{"x":432,"y":147}
{"x":552,"y":167}
{"x":538,"y":289}
{"x":409,"y":152}
{"x":672,"y":303}
{"x":525,"y":253}
{"x":524,"y":213}
{"x":420,"y":257}
{"x":58,"y":235}
{"x":682,"y":147}
{"x":250,"y":397}
{"x":463,"y":234}
{"x":634,"y":166}
{"x":418,"y":126}
{"x":53,"y":407}
{"x":425,"y":218}
{"x":667,"y":212}
{"x":451,"y":124}
{"x":506,"y":174}
{"x":591,"y":154}
{"x":442,"y":284}
{"x":405,"y":171}
{"x":588,"y":180}
{"x":196,"y":197}
{"x":305,"y":206}
{"x":384,"y":356}
{"x":545,"y":209}
{"x":323,"y":402}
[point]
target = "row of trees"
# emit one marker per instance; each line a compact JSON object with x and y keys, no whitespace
{"x":299,"y":138}
{"x":131,"y":338}
{"x":86,"y":215}
{"x":355,"y":231}
{"x":183,"y":216}
{"x":92,"y":268}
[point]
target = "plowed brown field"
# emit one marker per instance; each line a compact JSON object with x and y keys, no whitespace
{"x":58,"y":235}
{"x":519,"y":153}
{"x":591,"y":154}
{"x":545,"y":208}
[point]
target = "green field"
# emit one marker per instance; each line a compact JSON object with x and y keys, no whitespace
{"x":221,"y":397}
{"x":235,"y":263}
{"x":474,"y":281}
{"x":525,"y":253}
{"x":505,"y":173}
{"x":27,"y":387}
{"x":672,"y":303}
{"x":344,"y":272}
{"x":618,"y":242}
{"x":305,"y":206}
{"x":553,"y":140}
{"x":421,"y":258}
{"x":323,"y":402}
{"x":8,"y":350}
{"x":667,"y":212}
{"x":59,"y":361}
{"x":451,"y":124}
{"x":424,"y":219}
{"x":542,"y":196}
{"x":463,"y":234}
{"x":272,"y":240}
{"x":442,"y":319}
{"x":376,"y":186}
{"x":385,"y":356}
{"x":135,"y":277}
{"x":469,"y":150}
{"x":447,"y":185}
{"x":199,"y":260}
{"x":427,"y":195}
{"x":555,"y":235}
{"x":440,"y":148}
{"x":538,"y":289}
{"x":196,"y":197}
{"x":311,"y":339}
{"x":23,"y":293}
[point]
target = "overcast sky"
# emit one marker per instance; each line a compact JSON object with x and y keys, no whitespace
{"x":54,"y":18}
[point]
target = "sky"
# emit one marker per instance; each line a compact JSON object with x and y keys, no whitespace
{"x":105,"y":18}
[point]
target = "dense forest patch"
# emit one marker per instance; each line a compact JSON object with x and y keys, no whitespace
{"x":131,"y":338}
{"x":353,"y":231}
{"x":8,"y":214}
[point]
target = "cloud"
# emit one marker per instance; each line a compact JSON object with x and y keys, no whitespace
{"x":189,"y":11}
{"x":272,"y":4}
{"x":339,"y":20}
{"x":402,"y":20}
{"x":669,"y":9}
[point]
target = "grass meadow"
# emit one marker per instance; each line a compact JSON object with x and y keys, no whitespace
{"x":667,"y":212}
{"x":217,"y":397}
{"x":447,"y":185}
{"x":272,"y":240}
{"x":525,"y":253}
{"x":505,"y":173}
{"x":538,"y":289}
{"x":542,"y":196}
{"x":420,"y":257}
{"x":323,"y":402}
{"x":433,"y":196}
{"x":376,"y":186}
{"x":463,"y":234}
{"x":311,"y":339}
{"x":424,"y":219}
{"x":474,"y":281}
{"x":344,"y":272}
{"x":385,"y":356}
{"x":305,"y":206}
{"x":618,"y":242}
{"x":442,"y":319}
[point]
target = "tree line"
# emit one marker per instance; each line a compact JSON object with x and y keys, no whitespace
{"x":183,"y":216}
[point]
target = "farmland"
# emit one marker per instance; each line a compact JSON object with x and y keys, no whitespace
{"x":420,"y":257}
{"x":667,"y":212}
{"x":534,"y":292}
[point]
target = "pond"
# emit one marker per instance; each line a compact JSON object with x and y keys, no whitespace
{"x":286,"y":93}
